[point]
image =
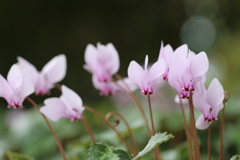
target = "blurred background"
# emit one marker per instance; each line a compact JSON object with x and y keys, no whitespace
{"x":40,"y":30}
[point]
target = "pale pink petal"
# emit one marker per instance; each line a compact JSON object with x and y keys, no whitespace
{"x":168,"y":54}
{"x":115,"y":63}
{"x":199,"y":65}
{"x":201,"y":123}
{"x":157,"y":69}
{"x":146,"y":62}
{"x":182,"y":50}
{"x":55,"y":69}
{"x":5,"y":89}
{"x":161,"y":52}
{"x":23,"y":64}
{"x":145,"y":80}
{"x":54,"y":109}
{"x":27,"y":86}
{"x":215,"y":93}
{"x":198,"y":100}
{"x":14,"y":77}
{"x":216,"y":109}
{"x":71,"y":99}
{"x":90,"y":54}
{"x":135,"y":72}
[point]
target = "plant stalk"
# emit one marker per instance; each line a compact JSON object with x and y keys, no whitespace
{"x":110,"y":125}
{"x":186,"y":131}
{"x":89,"y":130}
{"x":209,"y":143}
{"x":51,"y":129}
{"x":193,"y":129}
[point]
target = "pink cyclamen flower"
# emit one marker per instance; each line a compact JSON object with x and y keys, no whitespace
{"x":186,"y":70}
{"x":144,"y":78}
{"x":209,"y":102}
{"x":17,"y":87}
{"x":69,"y":105}
{"x":102,"y":61}
{"x":109,"y":88}
{"x":54,"y":71}
{"x":166,"y":53}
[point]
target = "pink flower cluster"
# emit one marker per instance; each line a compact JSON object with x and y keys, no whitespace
{"x":184,"y":70}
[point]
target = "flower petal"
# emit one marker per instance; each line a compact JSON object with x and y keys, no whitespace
{"x":23,"y":64}
{"x":157,"y":69}
{"x":71,"y":99}
{"x":27,"y":86}
{"x":55,"y":69}
{"x":201,"y":123}
{"x":54,"y":109}
{"x":199,"y":64}
{"x":14,"y":77}
{"x":135,"y":72}
{"x":115,"y":63}
{"x":215,"y":93}
{"x":5,"y":89}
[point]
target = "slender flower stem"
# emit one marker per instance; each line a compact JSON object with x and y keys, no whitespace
{"x":110,"y":125}
{"x":193,"y":129}
{"x":187,"y":131}
{"x":151,"y":116}
{"x":137,"y":103}
{"x":86,"y":125}
{"x":209,"y":143}
{"x":128,"y":128}
{"x":88,"y":129}
{"x":156,"y":151}
{"x":51,"y":128}
{"x":226,"y":97}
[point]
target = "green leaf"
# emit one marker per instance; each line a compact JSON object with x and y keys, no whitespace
{"x":101,"y":151}
{"x":236,"y":157}
{"x":156,"y":140}
{"x":16,"y":156}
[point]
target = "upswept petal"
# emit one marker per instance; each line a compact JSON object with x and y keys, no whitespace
{"x":115,"y":63}
{"x":182,"y":50}
{"x":215,"y":93}
{"x":23,"y":64}
{"x":55,"y":69}
{"x":54,"y":109}
{"x":161,"y":52}
{"x":199,"y":64}
{"x":14,"y":77}
{"x":90,"y":54}
{"x":146,"y":62}
{"x":27,"y":86}
{"x":135,"y":72}
{"x":201,"y":123}
{"x":216,"y":110}
{"x":168,"y":54}
{"x":157,"y":69}
{"x":71,"y":99}
{"x":198,"y":97}
{"x":145,"y":80}
{"x":5,"y":89}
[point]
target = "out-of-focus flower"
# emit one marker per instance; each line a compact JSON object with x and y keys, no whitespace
{"x":69,"y":105}
{"x":54,"y":71}
{"x":186,"y":70}
{"x":17,"y":87}
{"x":166,"y":53}
{"x":144,"y":78}
{"x":209,"y":102}
{"x":109,"y":88}
{"x":102,"y":61}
